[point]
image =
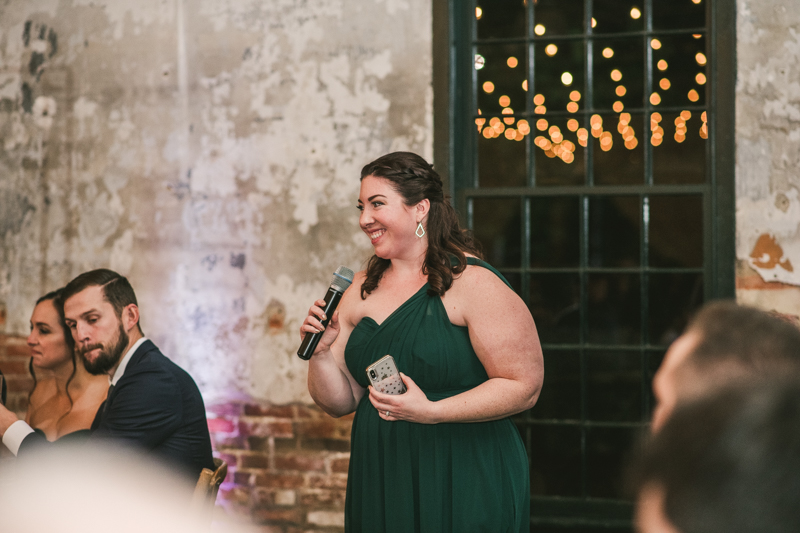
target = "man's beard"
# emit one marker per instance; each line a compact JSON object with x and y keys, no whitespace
{"x":109,"y":355}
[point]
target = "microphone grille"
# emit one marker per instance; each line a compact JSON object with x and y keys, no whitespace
{"x":342,"y":278}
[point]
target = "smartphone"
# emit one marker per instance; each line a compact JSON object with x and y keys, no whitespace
{"x":384,"y":376}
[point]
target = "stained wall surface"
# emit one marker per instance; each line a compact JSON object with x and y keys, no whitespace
{"x":209,"y":150}
{"x":768,"y":154}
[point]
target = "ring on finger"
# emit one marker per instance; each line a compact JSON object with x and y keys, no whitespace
{"x":387,"y":414}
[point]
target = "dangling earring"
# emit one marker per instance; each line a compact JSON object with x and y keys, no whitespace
{"x":420,"y":231}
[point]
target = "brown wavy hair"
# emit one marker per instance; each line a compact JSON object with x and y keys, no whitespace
{"x":415,"y":180}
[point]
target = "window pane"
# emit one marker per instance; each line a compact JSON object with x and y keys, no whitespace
{"x":616,"y":16}
{"x":614,"y":386}
{"x":556,"y":461}
{"x":619,"y":73}
{"x":502,"y":69}
{"x":561,"y":398}
{"x":502,"y":159}
{"x":614,"y":228}
{"x":613,"y":309}
{"x":501,"y":18}
{"x":618,"y":156}
{"x":496,"y":223}
{"x":555,"y":231}
{"x":559,"y":155}
{"x":680,"y":157}
{"x":675,"y":14}
{"x":680,"y":80}
{"x":607,"y":451}
{"x":673,"y":300}
{"x":555,"y":306}
{"x":676,"y":231}
{"x":558,"y":17}
{"x":559,"y":71}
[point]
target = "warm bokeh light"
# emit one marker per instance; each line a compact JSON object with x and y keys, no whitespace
{"x":539,"y":29}
{"x":566,"y":78}
{"x":480,"y":122}
{"x":696,"y":1}
{"x":686,"y":114}
{"x":700,"y":78}
{"x":608,"y":53}
{"x":616,"y":75}
{"x":662,"y":65}
{"x":554,"y":130}
{"x":664,"y":84}
{"x":655,"y":99}
{"x":511,"y":134}
{"x":494,"y":121}
{"x":512,"y":62}
{"x":540,"y":110}
{"x":478,"y":13}
{"x":499,"y":127}
{"x":693,"y":96}
{"x":524,"y":85}
{"x":704,"y":117}
{"x":655,"y":44}
{"x":572,"y":107}
{"x":505,"y":101}
{"x":656,"y":141}
{"x":704,"y":131}
{"x":538,"y":99}
{"x":488,"y":87}
{"x":575,"y":96}
{"x":700,"y":57}
{"x":572,"y":124}
{"x":594,"y":23}
{"x":631,"y":143}
{"x":488,"y":133}
{"x":625,"y":118}
{"x":621,"y":90}
{"x":524,"y":127}
{"x":618,"y":107}
{"x":697,"y":35}
{"x":480,"y":61}
{"x":656,"y":117}
{"x":636,"y":13}
{"x":551,"y":50}
{"x":606,"y":141}
{"x":509,"y":120}
{"x":541,"y":124}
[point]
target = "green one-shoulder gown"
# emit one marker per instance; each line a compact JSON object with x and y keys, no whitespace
{"x":405,"y":477}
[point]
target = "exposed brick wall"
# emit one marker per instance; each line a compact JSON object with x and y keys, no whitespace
{"x":287,"y":465}
{"x":14,"y":357}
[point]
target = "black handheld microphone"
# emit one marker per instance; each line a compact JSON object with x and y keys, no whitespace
{"x":342,"y":279}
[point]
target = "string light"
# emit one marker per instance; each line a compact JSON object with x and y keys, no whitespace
{"x":566,"y":78}
{"x":594,"y":22}
{"x":572,"y":124}
{"x":508,"y":120}
{"x":572,"y":107}
{"x":478,"y":13}
{"x":686,"y":114}
{"x":621,"y":90}
{"x":664,"y":84}
{"x":512,"y":62}
{"x":704,"y":127}
{"x":608,"y":53}
{"x":505,"y":101}
{"x":511,"y":134}
{"x":540,"y":110}
{"x":551,"y":50}
{"x":488,"y":87}
{"x":539,"y":29}
{"x":524,"y":127}
{"x":575,"y":96}
{"x":655,"y":44}
{"x":618,"y":107}
{"x":655,"y":99}
{"x":700,"y":78}
{"x":635,"y":13}
{"x":488,"y":133}
{"x":541,"y":124}
{"x":524,"y":85}
{"x":700,"y":57}
{"x":625,"y":118}
{"x":480,"y":122}
{"x":616,"y":75}
{"x":693,"y":96}
{"x":662,"y":65}
{"x":538,"y":99}
{"x":696,"y":1}
{"x":606,"y":141}
{"x":480,"y":61}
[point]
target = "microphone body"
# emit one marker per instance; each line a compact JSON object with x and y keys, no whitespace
{"x":342,"y":279}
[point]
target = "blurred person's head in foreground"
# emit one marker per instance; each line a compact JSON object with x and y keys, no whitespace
{"x":95,"y":489}
{"x":726,"y":463}
{"x":724,"y":343}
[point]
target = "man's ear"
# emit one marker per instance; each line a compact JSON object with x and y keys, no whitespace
{"x":130,"y":317}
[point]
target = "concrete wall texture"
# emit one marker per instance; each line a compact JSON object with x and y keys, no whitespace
{"x":209,"y":150}
{"x":768,"y":154}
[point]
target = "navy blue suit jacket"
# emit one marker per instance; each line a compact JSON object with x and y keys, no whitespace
{"x":155,"y":407}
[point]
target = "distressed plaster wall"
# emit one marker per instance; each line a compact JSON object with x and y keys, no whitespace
{"x":768,"y":154}
{"x":209,"y":150}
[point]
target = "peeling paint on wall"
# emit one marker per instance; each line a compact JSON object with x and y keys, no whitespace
{"x":211,"y":153}
{"x":768,"y":139}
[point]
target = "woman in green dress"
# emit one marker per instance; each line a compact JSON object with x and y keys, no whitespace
{"x":444,"y":456}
